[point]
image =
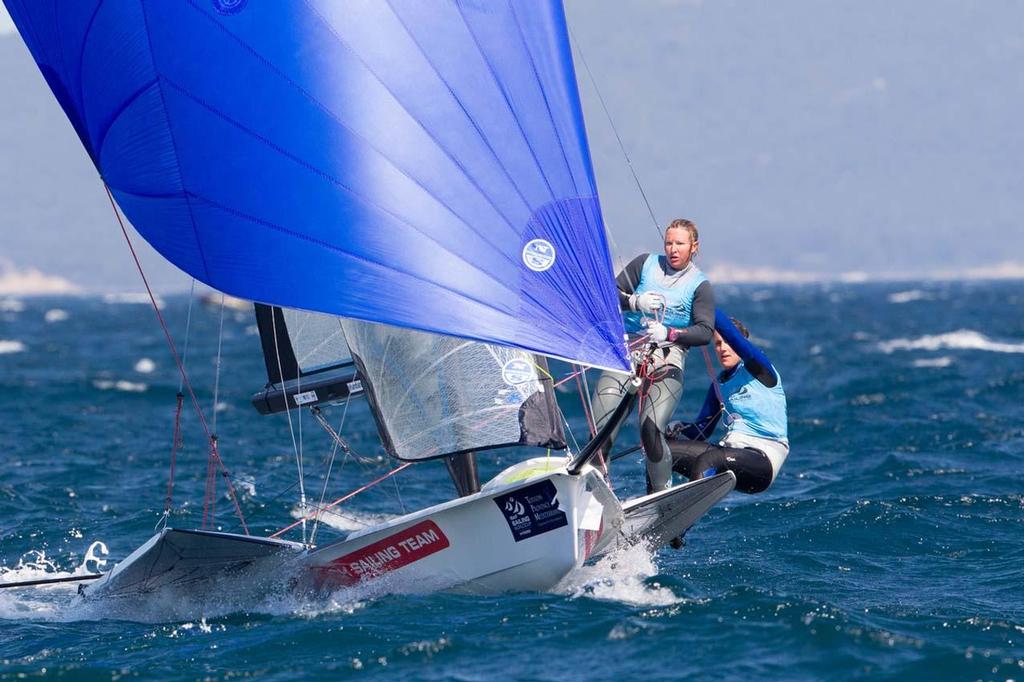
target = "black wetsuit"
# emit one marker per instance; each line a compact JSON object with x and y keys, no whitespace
{"x":693,"y":456}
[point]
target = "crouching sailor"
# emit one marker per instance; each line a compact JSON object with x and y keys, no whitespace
{"x":749,"y":393}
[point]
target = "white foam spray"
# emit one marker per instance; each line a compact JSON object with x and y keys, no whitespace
{"x":622,"y":576}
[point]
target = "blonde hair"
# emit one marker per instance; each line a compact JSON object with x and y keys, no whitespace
{"x":684,"y":224}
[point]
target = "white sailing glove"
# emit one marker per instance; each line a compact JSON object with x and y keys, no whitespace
{"x":658,"y":332}
{"x":647,"y":302}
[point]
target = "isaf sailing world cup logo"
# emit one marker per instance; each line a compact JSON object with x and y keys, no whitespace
{"x":514,"y":507}
{"x":229,"y":6}
{"x":539,"y":255}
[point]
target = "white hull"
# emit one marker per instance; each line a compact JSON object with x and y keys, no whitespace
{"x":526,"y":530}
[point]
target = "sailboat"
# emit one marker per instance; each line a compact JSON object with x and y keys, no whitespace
{"x":412,"y":180}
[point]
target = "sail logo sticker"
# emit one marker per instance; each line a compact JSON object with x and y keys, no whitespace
{"x":229,"y":6}
{"x":532,"y":511}
{"x":517,"y":371}
{"x":539,"y":255}
{"x":400,"y":549}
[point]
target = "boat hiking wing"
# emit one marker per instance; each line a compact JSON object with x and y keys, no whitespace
{"x":195,"y":564}
{"x":656,"y":519}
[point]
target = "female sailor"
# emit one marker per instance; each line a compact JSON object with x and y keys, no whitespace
{"x":669,"y":300}
{"x":749,"y":393}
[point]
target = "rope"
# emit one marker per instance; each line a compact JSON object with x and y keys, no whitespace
{"x":188,"y":328}
{"x":583,"y":401}
{"x":216,"y":366}
{"x":170,"y":345}
{"x":291,"y":427}
{"x":177,"y":441}
{"x":622,"y":147}
{"x":211,"y":471}
{"x":714,"y":383}
{"x":338,"y":442}
{"x":175,"y":444}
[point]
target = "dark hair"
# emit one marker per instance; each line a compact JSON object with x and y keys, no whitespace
{"x":683,"y":223}
{"x":742,"y":327}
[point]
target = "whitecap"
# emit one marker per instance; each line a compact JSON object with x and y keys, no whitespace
{"x":943,"y":361}
{"x":961,"y":339}
{"x":121,"y":385}
{"x":11,"y":347}
{"x":145,"y":366}
{"x":11,"y":305}
{"x":906,"y":296}
{"x":55,"y":315}
{"x":131,"y":298}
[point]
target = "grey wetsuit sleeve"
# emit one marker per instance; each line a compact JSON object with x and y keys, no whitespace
{"x":629,"y":278}
{"x":702,"y":319}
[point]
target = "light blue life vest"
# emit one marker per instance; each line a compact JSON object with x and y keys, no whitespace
{"x":753,"y":408}
{"x":677,"y":289}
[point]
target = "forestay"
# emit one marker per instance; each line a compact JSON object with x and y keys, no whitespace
{"x":421,"y":164}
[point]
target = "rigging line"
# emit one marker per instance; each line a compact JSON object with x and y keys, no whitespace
{"x":288,"y":413}
{"x":714,"y":382}
{"x":167,"y":336}
{"x":216,"y":366}
{"x":398,"y":492}
{"x":583,"y":402}
{"x":177,"y":442}
{"x":611,"y":122}
{"x":175,"y":445}
{"x":348,"y":496}
{"x":211,"y":470}
{"x":330,"y":465}
{"x":336,"y":435}
{"x":188,"y":329}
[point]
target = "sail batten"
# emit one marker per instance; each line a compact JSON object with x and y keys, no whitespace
{"x":422,"y":165}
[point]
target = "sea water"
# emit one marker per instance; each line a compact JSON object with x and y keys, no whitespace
{"x":891,"y":545}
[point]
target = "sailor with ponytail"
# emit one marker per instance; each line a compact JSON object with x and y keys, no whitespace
{"x":668,"y":302}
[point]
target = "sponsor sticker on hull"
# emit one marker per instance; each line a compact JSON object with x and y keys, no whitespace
{"x":387,"y":554}
{"x":532,"y":510}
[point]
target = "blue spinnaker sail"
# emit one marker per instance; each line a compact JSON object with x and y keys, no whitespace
{"x":421,"y":163}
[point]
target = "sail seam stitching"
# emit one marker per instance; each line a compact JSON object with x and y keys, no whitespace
{"x":391,"y":162}
{"x":174,"y":144}
{"x":333,"y":180}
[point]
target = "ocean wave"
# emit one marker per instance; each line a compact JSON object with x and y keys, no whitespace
{"x":944,"y":361}
{"x":11,"y":305}
{"x":961,"y":339}
{"x":11,"y":347}
{"x":121,"y":385}
{"x":55,"y":315}
{"x":131,"y":298}
{"x":145,"y":366}
{"x":906,"y":296}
